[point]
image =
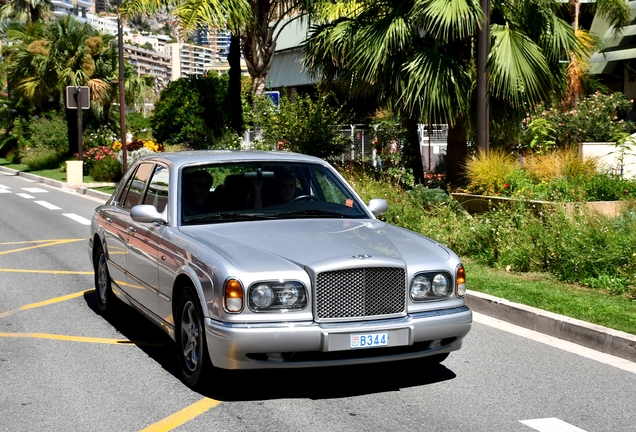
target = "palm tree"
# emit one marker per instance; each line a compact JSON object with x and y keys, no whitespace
{"x":45,"y":58}
{"x":257,"y":22}
{"x":416,"y":57}
{"x":30,"y":11}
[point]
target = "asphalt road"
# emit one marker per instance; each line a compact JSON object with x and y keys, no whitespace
{"x":65,"y":368}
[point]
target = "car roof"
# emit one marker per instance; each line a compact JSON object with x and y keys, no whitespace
{"x":188,"y":157}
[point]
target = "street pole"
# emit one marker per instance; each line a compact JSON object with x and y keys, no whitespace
{"x":122,"y":99}
{"x":80,"y":143}
{"x":483,"y":108}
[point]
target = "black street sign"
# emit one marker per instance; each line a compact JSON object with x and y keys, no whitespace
{"x":74,"y":93}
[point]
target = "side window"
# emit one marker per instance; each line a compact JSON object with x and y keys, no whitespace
{"x":157,"y":193}
{"x":331,"y":191}
{"x":138,"y":185}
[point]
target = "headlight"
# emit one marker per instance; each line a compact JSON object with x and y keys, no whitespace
{"x":277,"y":296}
{"x":262,"y":296}
{"x":431,"y":286}
{"x":420,"y":287}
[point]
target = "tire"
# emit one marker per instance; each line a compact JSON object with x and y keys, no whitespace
{"x":192,"y":349}
{"x":106,"y":300}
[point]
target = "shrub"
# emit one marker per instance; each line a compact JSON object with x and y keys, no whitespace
{"x":596,"y":251}
{"x":301,"y":125}
{"x":94,"y":155}
{"x":560,"y":163}
{"x":41,"y":158}
{"x":103,"y":137}
{"x":488,"y":173}
{"x":106,"y":170}
{"x":596,"y":118}
{"x":48,"y":132}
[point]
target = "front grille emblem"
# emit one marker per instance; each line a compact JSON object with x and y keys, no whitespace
{"x":360,"y":257}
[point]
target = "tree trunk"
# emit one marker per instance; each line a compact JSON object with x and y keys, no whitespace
{"x":258,"y":49}
{"x":456,"y":152}
{"x":234,"y":86}
{"x":412,"y":151}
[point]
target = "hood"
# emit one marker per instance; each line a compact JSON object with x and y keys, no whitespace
{"x":287,"y":244}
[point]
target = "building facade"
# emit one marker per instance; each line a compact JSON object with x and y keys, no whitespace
{"x":189,"y":59}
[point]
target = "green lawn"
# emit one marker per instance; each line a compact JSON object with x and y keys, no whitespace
{"x":54,"y":174}
{"x":544,"y":292}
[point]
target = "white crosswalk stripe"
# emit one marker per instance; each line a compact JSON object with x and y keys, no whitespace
{"x":24,"y":195}
{"x":48,"y":205}
{"x":551,"y":425}
{"x":77,"y":218}
{"x":35,"y":190}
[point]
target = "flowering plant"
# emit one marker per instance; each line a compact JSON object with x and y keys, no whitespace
{"x":596,"y":118}
{"x":94,"y":154}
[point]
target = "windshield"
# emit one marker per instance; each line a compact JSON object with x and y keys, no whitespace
{"x":252,"y":191}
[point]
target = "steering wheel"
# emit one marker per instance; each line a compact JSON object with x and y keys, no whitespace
{"x":305,"y":197}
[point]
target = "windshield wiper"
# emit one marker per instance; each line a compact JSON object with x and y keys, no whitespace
{"x":234,"y":216}
{"x":312,"y":212}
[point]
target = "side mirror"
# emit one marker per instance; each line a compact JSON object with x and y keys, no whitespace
{"x":146,"y":213}
{"x":378,"y":206}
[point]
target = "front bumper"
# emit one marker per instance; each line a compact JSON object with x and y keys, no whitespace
{"x":289,"y":345}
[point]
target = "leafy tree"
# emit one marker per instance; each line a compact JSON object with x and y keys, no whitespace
{"x":192,"y":111}
{"x":302,"y":125}
{"x":30,"y":11}
{"x":416,"y":57}
{"x":43,"y":58}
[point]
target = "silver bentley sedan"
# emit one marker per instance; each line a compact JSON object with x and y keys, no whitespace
{"x":271,"y":260}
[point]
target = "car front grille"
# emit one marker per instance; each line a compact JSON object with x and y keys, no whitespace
{"x":360,"y":292}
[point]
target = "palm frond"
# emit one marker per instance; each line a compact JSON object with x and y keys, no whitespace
{"x":448,"y":20}
{"x":518,"y":68}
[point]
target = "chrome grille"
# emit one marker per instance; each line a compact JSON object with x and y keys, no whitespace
{"x":360,"y":292}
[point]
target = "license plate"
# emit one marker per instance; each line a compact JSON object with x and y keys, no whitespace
{"x":368,"y":340}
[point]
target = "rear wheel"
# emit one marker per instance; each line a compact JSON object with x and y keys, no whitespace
{"x":190,"y":335}
{"x":106,"y":301}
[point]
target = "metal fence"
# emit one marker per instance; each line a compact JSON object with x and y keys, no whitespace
{"x":432,"y":138}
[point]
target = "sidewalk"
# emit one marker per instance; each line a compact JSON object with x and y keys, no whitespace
{"x":603,"y":339}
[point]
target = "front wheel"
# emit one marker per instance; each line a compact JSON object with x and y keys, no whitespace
{"x":190,"y":335}
{"x":106,"y":301}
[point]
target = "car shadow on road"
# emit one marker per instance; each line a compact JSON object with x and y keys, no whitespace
{"x":307,"y":383}
{"x":141,"y":332}
{"x":324,"y":382}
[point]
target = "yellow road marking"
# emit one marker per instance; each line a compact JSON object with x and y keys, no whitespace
{"x":64,"y":272}
{"x":68,"y":338}
{"x":45,"y":302}
{"x":180,"y":417}
{"x":26,"y":242}
{"x":45,"y":244}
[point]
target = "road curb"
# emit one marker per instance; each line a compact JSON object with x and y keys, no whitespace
{"x":80,"y":189}
{"x":599,"y":338}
